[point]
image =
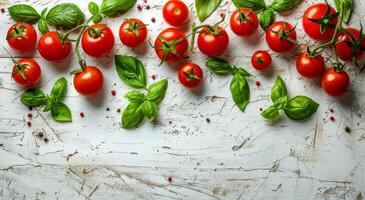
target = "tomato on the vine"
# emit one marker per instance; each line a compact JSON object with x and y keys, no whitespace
{"x":335,"y":82}
{"x":261,"y":60}
{"x":21,"y":37}
{"x":54,"y":47}
{"x":310,"y":66}
{"x":319,"y":21}
{"x":133,"y":32}
{"x":213,"y":41}
{"x":347,"y":48}
{"x":97,"y":40}
{"x":244,"y":22}
{"x":88,"y":81}
{"x":26,"y":72}
{"x":175,"y":12}
{"x":190,"y":75}
{"x":281,"y":37}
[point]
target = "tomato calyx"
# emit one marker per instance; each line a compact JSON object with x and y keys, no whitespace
{"x":325,"y":20}
{"x":339,"y":67}
{"x":355,"y":43}
{"x":18,"y":31}
{"x":190,"y":76}
{"x":95,"y":32}
{"x":167,"y":47}
{"x":244,"y":16}
{"x":134,"y":27}
{"x":19,"y":68}
{"x":283,"y":34}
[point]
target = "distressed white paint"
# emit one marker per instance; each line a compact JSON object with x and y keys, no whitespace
{"x":315,"y":159}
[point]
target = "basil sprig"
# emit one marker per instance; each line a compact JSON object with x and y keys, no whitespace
{"x":54,"y":102}
{"x":115,"y":8}
{"x":205,"y":8}
{"x":297,"y":108}
{"x":95,"y":11}
{"x":239,"y":87}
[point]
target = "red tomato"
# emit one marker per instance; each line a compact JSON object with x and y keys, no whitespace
{"x":31,"y":71}
{"x":277,"y":36}
{"x":54,"y":48}
{"x":133,"y":32}
{"x":89,"y":81}
{"x":21,"y":37}
{"x":344,"y":43}
{"x":335,"y":83}
{"x":97,"y":40}
{"x":175,"y":12}
{"x":213,"y":43}
{"x":310,"y":67}
{"x":190,"y":75}
{"x":261,"y":60}
{"x":244,"y":22}
{"x":319,"y":21}
{"x":171,"y":45}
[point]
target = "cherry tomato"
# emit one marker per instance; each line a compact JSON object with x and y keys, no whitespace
{"x":244,"y":22}
{"x":97,"y":40}
{"x":171,"y":45}
{"x":175,"y":12}
{"x":335,"y":83}
{"x":190,"y":75}
{"x":319,"y":21}
{"x":21,"y":37}
{"x":277,"y":36}
{"x":26,"y":72}
{"x":261,"y":60}
{"x":214,"y":42}
{"x":310,"y":67}
{"x":54,"y":48}
{"x":345,"y":45}
{"x":89,"y":81}
{"x":133,"y":32}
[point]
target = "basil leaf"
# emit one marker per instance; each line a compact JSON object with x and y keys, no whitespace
{"x":284,"y":5}
{"x":278,"y":90}
{"x":149,"y":109}
{"x":115,"y":8}
{"x":157,"y":91}
{"x":65,"y":15}
{"x":42,"y":23}
{"x":281,"y":102}
{"x":240,"y":91}
{"x":97,"y":18}
{"x":132,"y":116}
{"x":48,"y":106}
{"x":61,"y":113}
{"x":93,"y":8}
{"x":266,"y":18}
{"x":131,"y":70}
{"x":300,"y":108}
{"x":255,"y":5}
{"x":205,"y":8}
{"x":24,"y":13}
{"x":219,"y":66}
{"x":243,"y":72}
{"x":135,"y":96}
{"x":33,"y":97}
{"x":271,"y":113}
{"x":347,"y":8}
{"x":59,"y":89}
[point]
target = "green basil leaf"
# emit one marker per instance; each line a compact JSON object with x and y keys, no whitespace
{"x":149,"y":109}
{"x":65,"y":15}
{"x":93,"y":8}
{"x":300,"y":108}
{"x":255,"y":5}
{"x":24,"y":13}
{"x":132,"y":116}
{"x":266,"y":18}
{"x":281,"y":102}
{"x":59,"y":89}
{"x":240,"y":91}
{"x":48,"y":105}
{"x":219,"y":66}
{"x":131,"y":70}
{"x":115,"y":8}
{"x":278,"y":90}
{"x":271,"y":113}
{"x":97,"y":18}
{"x":284,"y":5}
{"x":42,"y":23}
{"x":33,"y":97}
{"x":61,"y":113}
{"x":243,"y":72}
{"x":135,"y":96}
{"x":205,"y":8}
{"x":157,"y":91}
{"x":347,"y":8}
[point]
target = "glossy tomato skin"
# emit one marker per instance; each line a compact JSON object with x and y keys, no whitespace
{"x":89,"y":82}
{"x":98,"y":45}
{"x":32,"y":73}
{"x":128,"y":37}
{"x":318,"y":11}
{"x":335,"y":83}
{"x":51,"y":47}
{"x":21,"y":37}
{"x":190,"y":69}
{"x":344,"y":50}
{"x":261,"y":60}
{"x":171,"y":34}
{"x":274,"y":41}
{"x":248,"y":26}
{"x":310,"y":67}
{"x":213,"y":44}
{"x":175,"y":12}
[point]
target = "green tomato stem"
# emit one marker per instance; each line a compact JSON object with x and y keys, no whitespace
{"x":77,"y":49}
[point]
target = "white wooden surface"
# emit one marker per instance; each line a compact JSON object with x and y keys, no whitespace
{"x":235,"y":156}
